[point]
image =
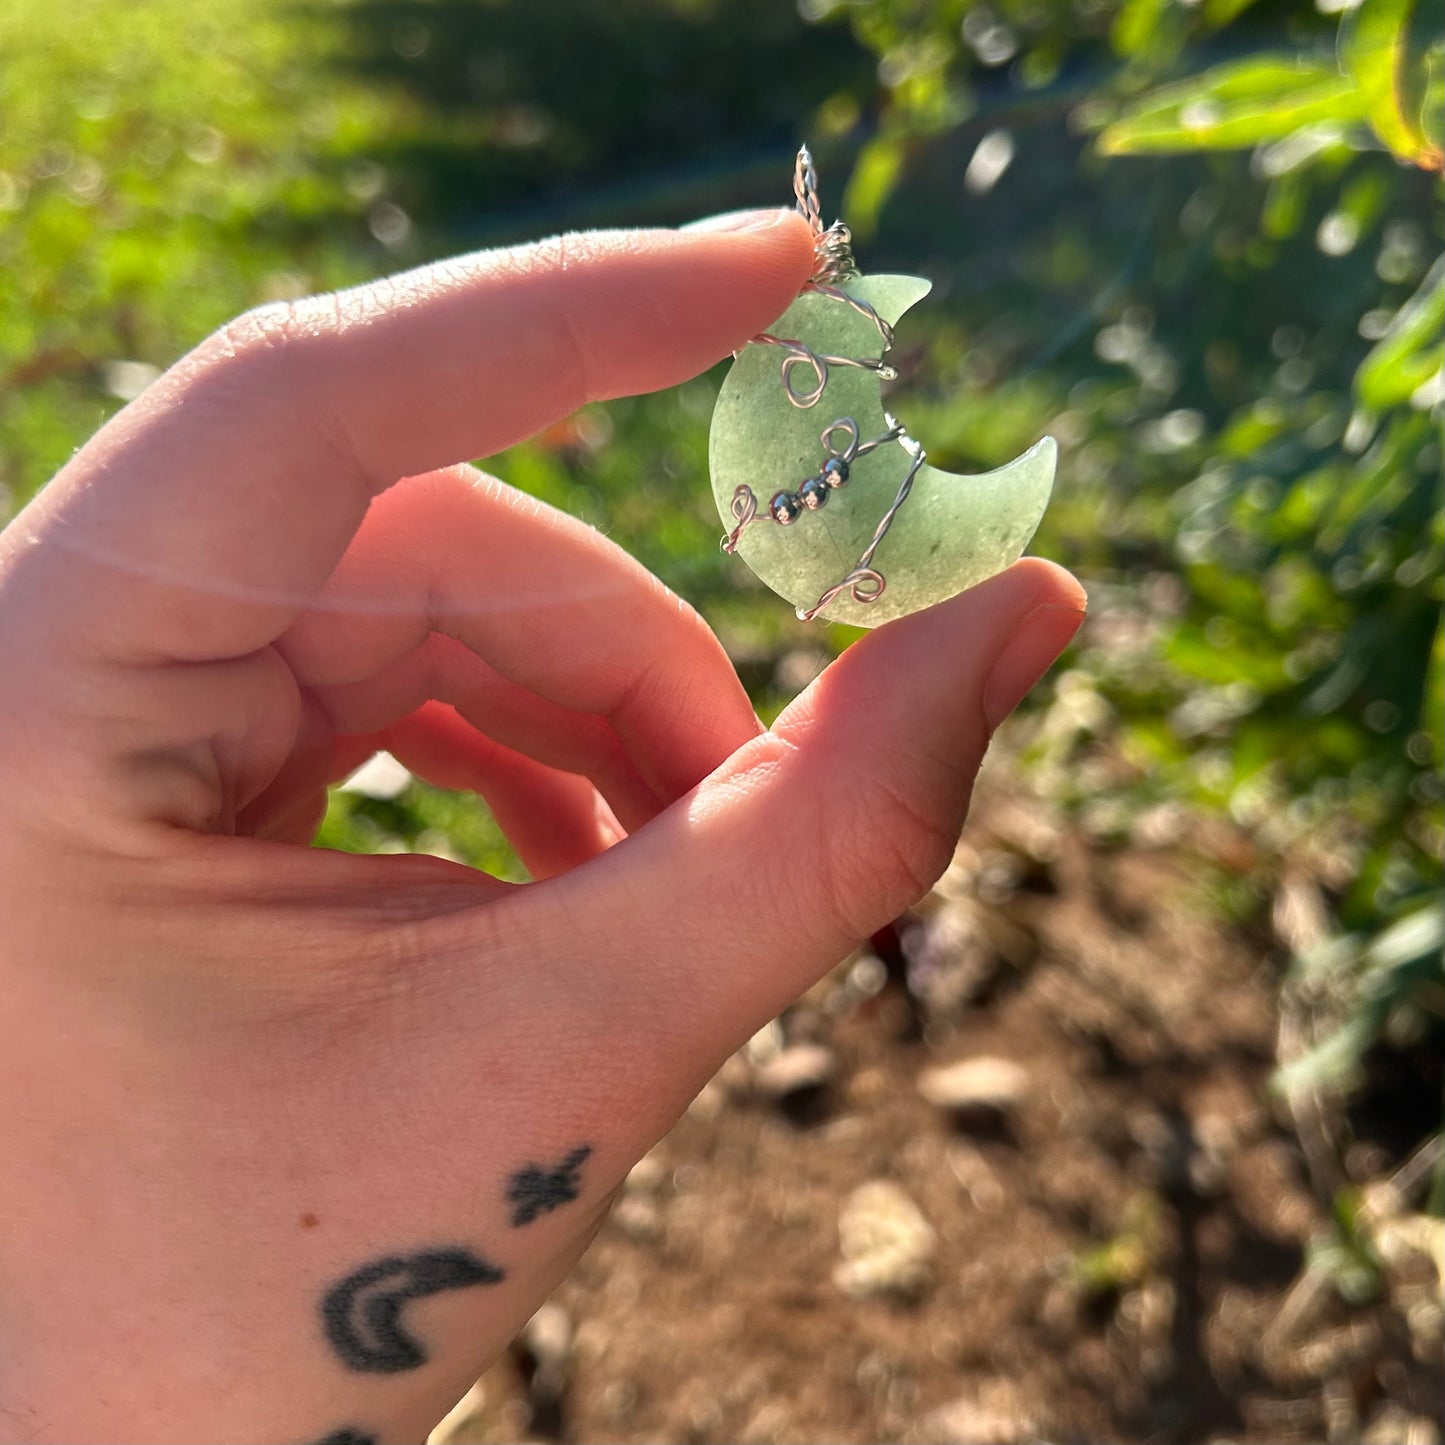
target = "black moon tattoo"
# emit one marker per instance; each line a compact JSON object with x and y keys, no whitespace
{"x":362,"y":1314}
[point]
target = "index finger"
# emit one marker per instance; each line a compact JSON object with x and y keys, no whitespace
{"x":204,"y":516}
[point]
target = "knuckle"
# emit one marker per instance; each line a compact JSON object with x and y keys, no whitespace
{"x":567,"y":342}
{"x":269,"y":331}
{"x":283,"y":358}
{"x":253,"y":357}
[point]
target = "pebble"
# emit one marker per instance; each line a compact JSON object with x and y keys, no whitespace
{"x":465,"y":1421}
{"x":547,"y":1337}
{"x":976,"y":1176}
{"x":976,"y":1087}
{"x":1394,"y":1426}
{"x":886,"y":1243}
{"x":994,"y":1416}
{"x":637,"y":1215}
{"x":647,"y":1176}
{"x":711,"y":1100}
{"x":1413,"y":1239}
{"x":948,"y":961}
{"x":795,"y":1069}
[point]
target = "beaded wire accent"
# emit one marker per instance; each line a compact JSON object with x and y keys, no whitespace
{"x":833,"y":252}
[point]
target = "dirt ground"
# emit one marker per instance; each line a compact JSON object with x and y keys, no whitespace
{"x":1097,"y":1232}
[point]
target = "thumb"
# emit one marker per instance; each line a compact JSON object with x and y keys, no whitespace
{"x":814,"y":835}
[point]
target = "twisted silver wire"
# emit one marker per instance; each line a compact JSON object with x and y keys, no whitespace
{"x":833,"y":252}
{"x":805,"y":190}
{"x":833,"y":246}
{"x":865,"y":582}
{"x":744,"y":509}
{"x":744,"y":505}
{"x":885,"y":331}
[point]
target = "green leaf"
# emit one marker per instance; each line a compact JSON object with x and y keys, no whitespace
{"x":1417,"y":936}
{"x":1397,"y":965}
{"x":1432,"y":99}
{"x":1219,"y":13}
{"x":1241,"y":104}
{"x":1377,"y":53}
{"x":1408,"y":354}
{"x":875,"y":174}
{"x":1140,"y":26}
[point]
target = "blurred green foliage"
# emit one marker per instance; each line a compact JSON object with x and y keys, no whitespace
{"x":1199,"y":243}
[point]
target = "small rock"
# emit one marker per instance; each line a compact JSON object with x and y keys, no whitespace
{"x":637,"y":1215}
{"x":1413,"y":1240}
{"x":465,"y":1421}
{"x":1003,"y":873}
{"x":795,"y":1069}
{"x":976,"y":1090}
{"x":381,"y":776}
{"x":886,"y":1243}
{"x":1161,"y":826}
{"x":949,"y":963}
{"x":807,"y":1021}
{"x":976,"y":1176}
{"x":711,"y":1100}
{"x":1299,"y":915}
{"x":766,"y":1044}
{"x":1393,"y":1426}
{"x":867,"y":976}
{"x":1165,"y":1147}
{"x":1060,"y":1311}
{"x":647,"y":1176}
{"x":868,"y":1088}
{"x":546,"y":1345}
{"x":1217,"y":1138}
{"x":1028,"y":828}
{"x":995,"y":1415}
{"x":548,"y":1336}
{"x":734,"y":1078}
{"x":619,"y":1400}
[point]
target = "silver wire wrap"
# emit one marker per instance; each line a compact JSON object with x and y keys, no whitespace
{"x":832,"y":247}
{"x":833,"y":253}
{"x":865,"y":582}
{"x":744,"y":505}
{"x":744,"y":510}
{"x":800,"y":355}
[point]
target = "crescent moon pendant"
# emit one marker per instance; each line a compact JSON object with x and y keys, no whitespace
{"x":950,"y":531}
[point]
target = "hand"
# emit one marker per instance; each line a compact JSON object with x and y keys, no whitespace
{"x":295,"y":1140}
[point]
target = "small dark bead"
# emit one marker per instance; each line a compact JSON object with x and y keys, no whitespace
{"x":786,"y":507}
{"x":814,"y":493}
{"x":835,"y":471}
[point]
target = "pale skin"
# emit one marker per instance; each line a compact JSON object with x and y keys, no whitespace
{"x":296,"y":1141}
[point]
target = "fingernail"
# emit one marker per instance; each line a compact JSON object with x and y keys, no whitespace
{"x":739,"y":221}
{"x":1031,"y":651}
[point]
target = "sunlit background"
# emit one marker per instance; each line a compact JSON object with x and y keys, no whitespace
{"x":1192,"y":1187}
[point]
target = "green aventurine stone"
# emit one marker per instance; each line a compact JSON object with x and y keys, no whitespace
{"x":952,"y":532}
